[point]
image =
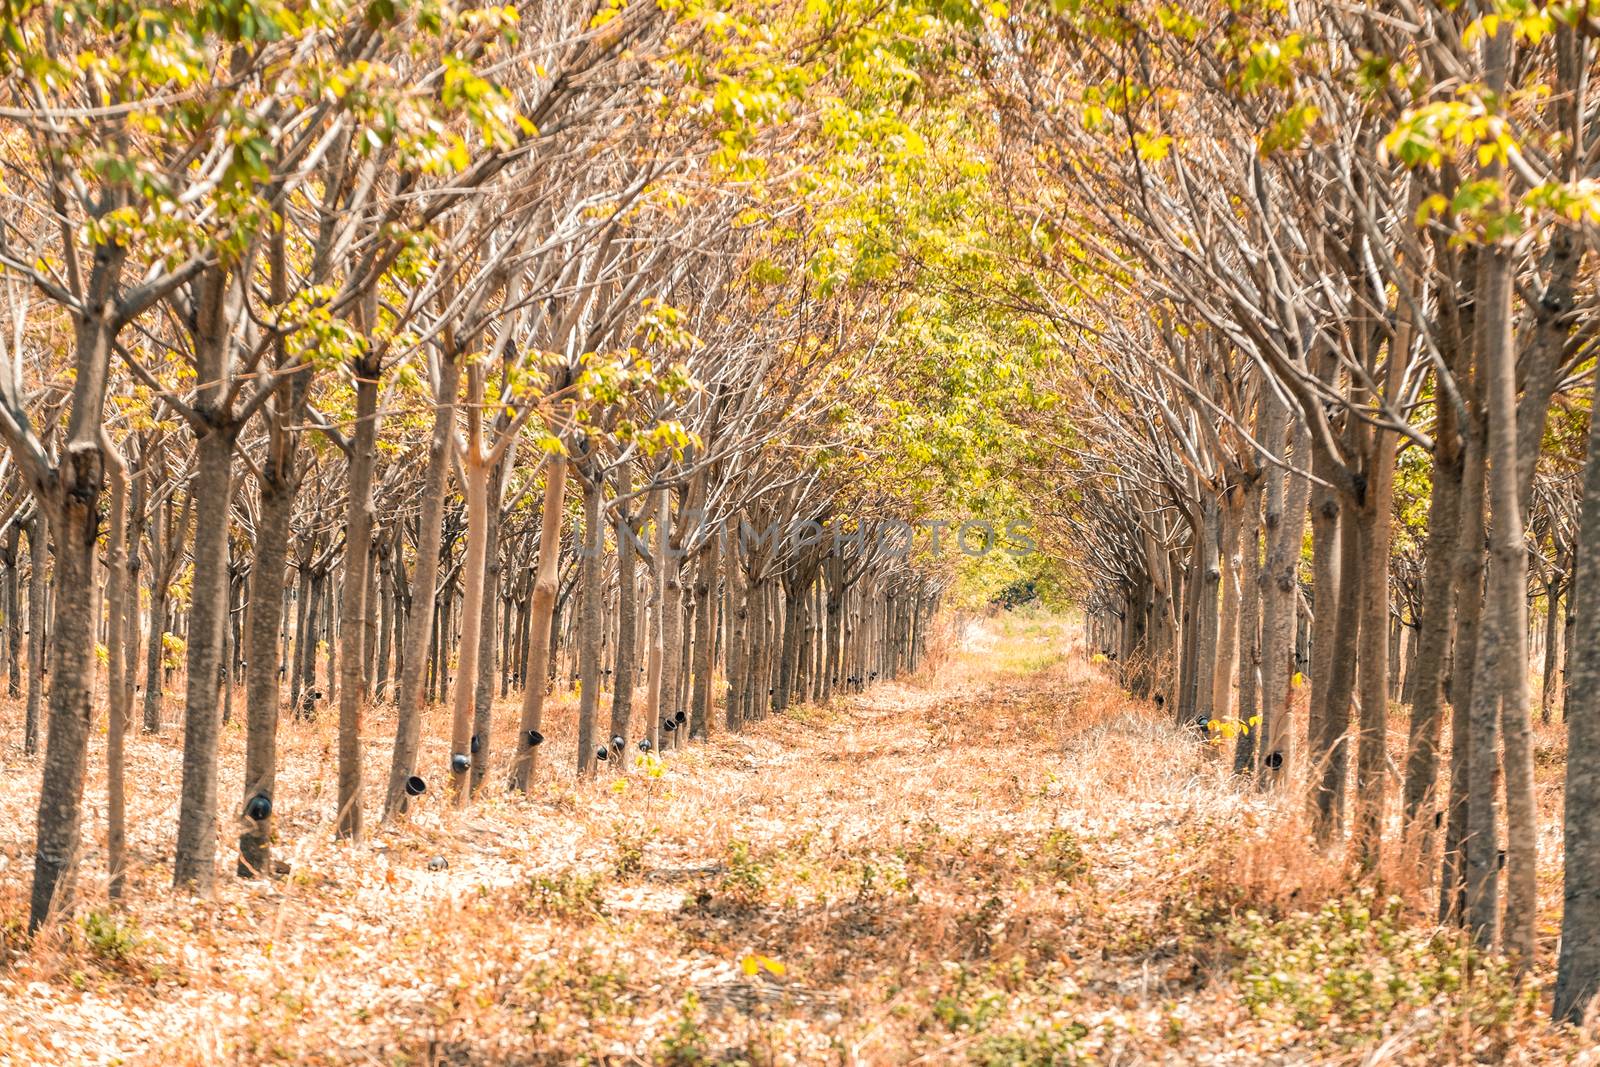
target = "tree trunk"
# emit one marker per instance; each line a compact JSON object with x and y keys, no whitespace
{"x":13,"y":601}
{"x":1208,"y":571}
{"x":658,"y":596}
{"x":483,"y":694}
{"x":1287,"y":498}
{"x":116,"y":691}
{"x":353,"y":608}
{"x":740,"y":653}
{"x":420,"y":620}
{"x":155,"y":653}
{"x":1372,"y":657}
{"x":706,"y":575}
{"x":545,"y":588}
{"x":1225,"y":672}
{"x":1435,"y":629}
{"x":1252,"y":581}
{"x":1502,"y":635}
{"x":590,"y":583}
{"x":1578,"y":968}
{"x":1552,"y":648}
{"x":1462,"y":676}
{"x":627,"y":611}
{"x":194,"y":864}
{"x":76,"y":522}
{"x":1334,"y":646}
{"x":476,"y":469}
{"x":38,"y":600}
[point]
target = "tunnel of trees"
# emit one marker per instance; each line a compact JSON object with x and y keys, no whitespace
{"x":363,"y":357}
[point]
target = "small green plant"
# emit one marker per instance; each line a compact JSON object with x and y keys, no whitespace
{"x":567,"y":895}
{"x":1062,"y":857}
{"x":630,"y":844}
{"x":687,"y":1045}
{"x":970,"y":1006}
{"x":111,"y":938}
{"x":1349,"y":967}
{"x":1046,"y":1044}
{"x":745,"y":879}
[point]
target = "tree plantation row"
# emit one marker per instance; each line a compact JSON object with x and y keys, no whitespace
{"x":1351,"y":414}
{"x":358,"y":357}
{"x":364,"y":355}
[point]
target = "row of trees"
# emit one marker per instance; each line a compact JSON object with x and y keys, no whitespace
{"x":1322,"y":271}
{"x":363,"y":355}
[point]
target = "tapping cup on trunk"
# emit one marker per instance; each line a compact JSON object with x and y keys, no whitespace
{"x":258,"y":807}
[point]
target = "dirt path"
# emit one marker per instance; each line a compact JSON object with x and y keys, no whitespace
{"x":1000,"y":863}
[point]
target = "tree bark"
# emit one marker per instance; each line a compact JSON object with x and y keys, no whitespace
{"x":11,"y":550}
{"x":1287,"y":499}
{"x":116,"y":692}
{"x":590,"y":582}
{"x":419,"y":622}
{"x":1434,"y":636}
{"x":545,"y":587}
{"x":627,"y":611}
{"x":353,"y":608}
{"x":38,"y":599}
{"x":194,"y":865}
{"x":1578,"y":966}
{"x":476,"y":469}
{"x":707,"y":571}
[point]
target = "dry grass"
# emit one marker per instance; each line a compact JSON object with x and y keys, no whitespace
{"x":1002,"y":862}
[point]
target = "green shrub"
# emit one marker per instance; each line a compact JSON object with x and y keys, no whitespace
{"x":112,"y":939}
{"x":567,"y":895}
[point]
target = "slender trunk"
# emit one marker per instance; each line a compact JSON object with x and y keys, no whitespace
{"x":76,"y":521}
{"x":545,"y":588}
{"x":263,"y":687}
{"x":1502,"y":635}
{"x":13,"y":601}
{"x":671,"y":641}
{"x":1225,"y":672}
{"x":483,"y":695}
{"x":1578,"y":968}
{"x":419,"y":624}
{"x":739,"y":651}
{"x":38,"y":599}
{"x":1253,"y":581}
{"x":194,"y":864}
{"x":627,"y":611}
{"x":1372,"y":657}
{"x":1334,"y":652}
{"x":1184,"y":707}
{"x":590,"y":581}
{"x":1461,"y":679}
{"x":155,"y":652}
{"x":353,"y":608}
{"x":706,"y":573}
{"x":1208,"y":571}
{"x":386,"y":620}
{"x":658,"y":596}
{"x":1287,"y":500}
{"x":116,"y":692}
{"x":1552,"y":648}
{"x":1435,"y":628}
{"x":789,"y":655}
{"x":477,"y":488}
